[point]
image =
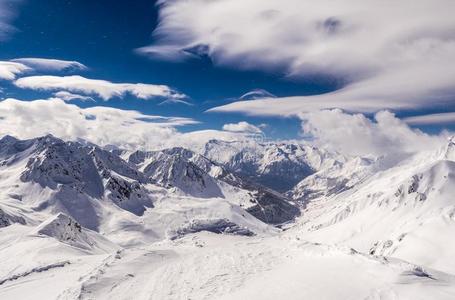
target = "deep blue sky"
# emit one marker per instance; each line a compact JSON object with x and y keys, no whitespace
{"x":103,"y":34}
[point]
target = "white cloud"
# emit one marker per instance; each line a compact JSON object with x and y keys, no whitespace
{"x":430,"y":119}
{"x":346,"y":99}
{"x":67,"y":96}
{"x":357,"y":135}
{"x":392,"y":54}
{"x":349,"y":134}
{"x":164,"y":52}
{"x":45,"y":64}
{"x":100,"y":125}
{"x":196,"y":140}
{"x":242,"y":126}
{"x":102,"y":88}
{"x":9,"y":70}
{"x":175,"y":101}
{"x":257,"y":94}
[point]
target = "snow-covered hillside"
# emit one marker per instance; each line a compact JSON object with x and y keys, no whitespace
{"x":406,"y":211}
{"x":81,"y":222}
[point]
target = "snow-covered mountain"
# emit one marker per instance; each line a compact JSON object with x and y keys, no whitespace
{"x":198,"y":176}
{"x":81,"y":222}
{"x":48,"y":176}
{"x":406,"y":211}
{"x":334,"y":178}
{"x":279,"y":166}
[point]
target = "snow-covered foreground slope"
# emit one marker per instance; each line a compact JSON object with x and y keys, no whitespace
{"x":209,"y":266}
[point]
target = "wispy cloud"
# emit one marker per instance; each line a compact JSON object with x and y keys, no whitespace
{"x":431,"y":119}
{"x":391,"y":55}
{"x":7,"y":13}
{"x":353,"y":99}
{"x":9,"y":70}
{"x":257,"y":94}
{"x":67,"y":96}
{"x":102,"y":88}
{"x":46,"y":64}
{"x":175,"y":101}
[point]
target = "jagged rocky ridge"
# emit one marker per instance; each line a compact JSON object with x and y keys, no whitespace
{"x":77,"y":175}
{"x":279,"y":166}
{"x":198,"y":176}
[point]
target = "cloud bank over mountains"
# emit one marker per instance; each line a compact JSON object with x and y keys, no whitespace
{"x":100,"y":125}
{"x":355,"y":134}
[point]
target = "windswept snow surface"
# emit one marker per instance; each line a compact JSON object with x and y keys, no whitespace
{"x":80,"y":222}
{"x":210,"y":266}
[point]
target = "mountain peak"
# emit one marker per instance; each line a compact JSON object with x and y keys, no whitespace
{"x":60,"y":227}
{"x":8,"y":139}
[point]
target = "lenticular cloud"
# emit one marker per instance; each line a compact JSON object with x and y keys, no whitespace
{"x":102,"y":88}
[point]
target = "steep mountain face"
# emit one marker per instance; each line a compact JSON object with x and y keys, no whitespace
{"x":176,"y":170}
{"x":198,"y":176}
{"x":406,"y":211}
{"x":74,"y":178}
{"x":277,"y":166}
{"x":68,"y":231}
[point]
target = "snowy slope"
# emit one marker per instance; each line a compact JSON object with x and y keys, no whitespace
{"x":406,"y":211}
{"x":209,"y":266}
